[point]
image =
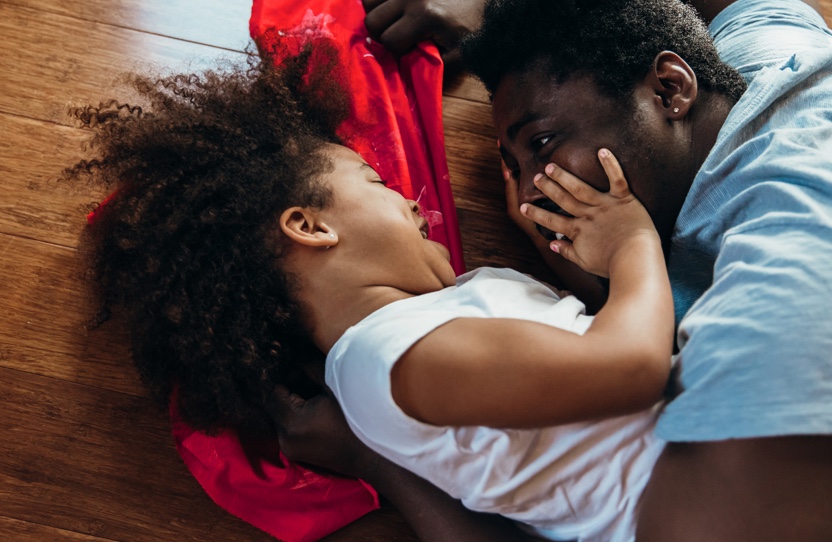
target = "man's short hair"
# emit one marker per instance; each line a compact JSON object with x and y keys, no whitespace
{"x":613,"y":41}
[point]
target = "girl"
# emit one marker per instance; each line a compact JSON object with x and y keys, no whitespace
{"x":242,"y":237}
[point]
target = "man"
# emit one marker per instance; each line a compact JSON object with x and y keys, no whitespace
{"x":739,"y":184}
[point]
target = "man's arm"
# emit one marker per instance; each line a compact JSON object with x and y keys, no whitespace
{"x":709,"y":9}
{"x":740,"y":490}
{"x":314,"y":431}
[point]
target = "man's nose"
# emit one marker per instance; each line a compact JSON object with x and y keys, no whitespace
{"x":527,"y":191}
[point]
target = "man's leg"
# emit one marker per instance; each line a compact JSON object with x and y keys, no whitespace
{"x":777,"y":489}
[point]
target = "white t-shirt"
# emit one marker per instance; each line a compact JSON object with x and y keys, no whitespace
{"x":578,"y":481}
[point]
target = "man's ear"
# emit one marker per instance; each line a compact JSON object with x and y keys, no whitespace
{"x":304,"y":226}
{"x":674,"y":84}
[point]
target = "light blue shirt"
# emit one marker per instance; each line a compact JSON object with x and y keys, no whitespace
{"x":751,"y":256}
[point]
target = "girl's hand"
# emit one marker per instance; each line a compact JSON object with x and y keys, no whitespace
{"x":603,"y":225}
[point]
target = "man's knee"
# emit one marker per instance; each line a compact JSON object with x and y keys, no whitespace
{"x":746,"y":489}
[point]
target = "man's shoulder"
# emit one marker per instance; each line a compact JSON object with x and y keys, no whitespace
{"x":754,"y":34}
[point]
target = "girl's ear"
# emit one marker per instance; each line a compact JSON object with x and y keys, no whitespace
{"x":303,"y":226}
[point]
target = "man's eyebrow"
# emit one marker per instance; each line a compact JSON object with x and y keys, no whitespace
{"x":515,"y":128}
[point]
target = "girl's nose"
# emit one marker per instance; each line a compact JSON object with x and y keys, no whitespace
{"x":414,"y":206}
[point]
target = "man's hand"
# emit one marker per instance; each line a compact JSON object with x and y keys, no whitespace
{"x":314,"y":431}
{"x":400,"y":24}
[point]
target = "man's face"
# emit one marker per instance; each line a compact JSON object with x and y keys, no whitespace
{"x":540,"y":121}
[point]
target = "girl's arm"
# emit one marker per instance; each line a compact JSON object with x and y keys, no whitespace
{"x":517,"y":373}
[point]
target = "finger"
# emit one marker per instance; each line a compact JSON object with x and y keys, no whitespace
{"x":618,"y":183}
{"x":282,"y":404}
{"x":402,"y":35}
{"x":551,"y":221}
{"x":315,"y":372}
{"x":565,"y":249}
{"x":558,"y":194}
{"x":370,"y":5}
{"x":382,"y":17}
{"x":575,"y":187}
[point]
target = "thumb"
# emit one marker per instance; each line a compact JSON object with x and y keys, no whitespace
{"x":282,"y":405}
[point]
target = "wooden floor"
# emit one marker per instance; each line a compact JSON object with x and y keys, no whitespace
{"x":83,"y":455}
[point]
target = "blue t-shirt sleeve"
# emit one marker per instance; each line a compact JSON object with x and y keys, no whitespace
{"x":759,"y":340}
{"x":753,"y":34}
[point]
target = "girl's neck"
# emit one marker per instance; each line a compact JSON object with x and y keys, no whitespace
{"x":330,"y":313}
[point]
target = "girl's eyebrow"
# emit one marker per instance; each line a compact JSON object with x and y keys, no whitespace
{"x":365,"y":164}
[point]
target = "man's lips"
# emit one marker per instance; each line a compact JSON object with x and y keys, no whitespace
{"x":552,"y":207}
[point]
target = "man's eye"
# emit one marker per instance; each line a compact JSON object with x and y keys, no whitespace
{"x":540,"y":142}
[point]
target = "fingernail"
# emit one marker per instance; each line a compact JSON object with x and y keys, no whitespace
{"x":550,"y":168}
{"x":524,"y":208}
{"x":603,"y":153}
{"x":554,"y":248}
{"x":538,"y":177}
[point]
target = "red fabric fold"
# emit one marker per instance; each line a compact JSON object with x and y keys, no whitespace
{"x":396,"y":125}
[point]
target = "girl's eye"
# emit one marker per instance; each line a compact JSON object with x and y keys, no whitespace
{"x":382,"y":182}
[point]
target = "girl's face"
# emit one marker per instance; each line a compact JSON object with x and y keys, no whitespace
{"x":379,"y":228}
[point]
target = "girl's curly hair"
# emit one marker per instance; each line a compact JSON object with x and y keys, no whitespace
{"x":187,"y":245}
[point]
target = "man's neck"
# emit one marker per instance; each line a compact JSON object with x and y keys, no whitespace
{"x":707,"y":121}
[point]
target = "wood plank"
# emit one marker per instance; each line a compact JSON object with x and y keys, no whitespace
{"x":220,"y":23}
{"x":78,"y":63}
{"x":826,"y":9}
{"x":103,"y":464}
{"x":466,"y":87}
{"x":24,"y":531}
{"x":99,"y":463}
{"x":33,"y":203}
{"x":44,"y":306}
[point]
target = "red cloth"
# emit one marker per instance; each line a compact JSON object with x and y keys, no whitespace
{"x":396,"y":125}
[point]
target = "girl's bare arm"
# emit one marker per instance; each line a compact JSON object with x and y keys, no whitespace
{"x":517,"y":373}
